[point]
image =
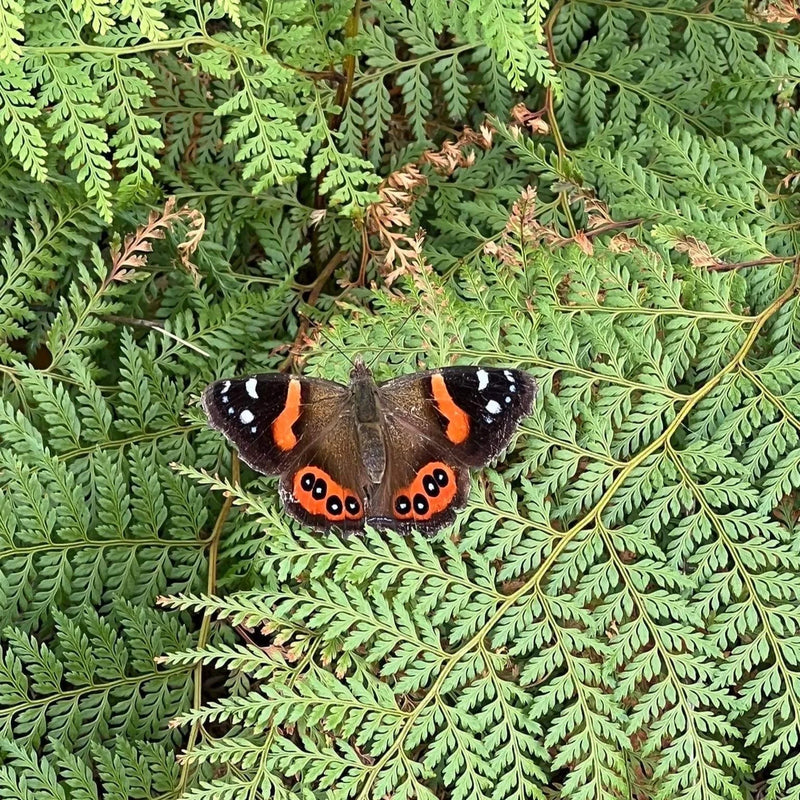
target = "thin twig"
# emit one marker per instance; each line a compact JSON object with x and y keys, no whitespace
{"x":146,"y":323}
{"x":349,"y":63}
{"x":311,"y":300}
{"x":612,"y":226}
{"x":760,"y":262}
{"x":324,"y":275}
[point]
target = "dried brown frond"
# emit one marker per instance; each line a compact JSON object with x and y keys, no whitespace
{"x":597,"y":212}
{"x":624,"y":243}
{"x":137,"y":245}
{"x":503,"y":253}
{"x":783,"y":11}
{"x":699,"y":253}
{"x":523,"y":226}
{"x":390,"y":218}
{"x":454,"y":154}
{"x":788,"y":181}
{"x":523,"y":117}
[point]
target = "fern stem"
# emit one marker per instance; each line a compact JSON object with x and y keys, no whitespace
{"x":774,"y":399}
{"x":745,"y":575}
{"x":262,"y":763}
{"x":380,"y":74}
{"x":552,"y":118}
{"x":144,"y":47}
{"x":94,"y":688}
{"x":83,"y":544}
{"x":655,"y":100}
{"x":659,"y":312}
{"x":205,"y":627}
{"x":130,"y":440}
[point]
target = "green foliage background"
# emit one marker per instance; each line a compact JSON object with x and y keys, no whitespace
{"x":616,"y":612}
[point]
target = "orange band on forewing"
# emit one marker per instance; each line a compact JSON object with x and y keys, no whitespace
{"x":282,"y":431}
{"x":457,"y":428}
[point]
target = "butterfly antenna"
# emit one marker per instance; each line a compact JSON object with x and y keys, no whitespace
{"x":327,"y":338}
{"x":389,"y":338}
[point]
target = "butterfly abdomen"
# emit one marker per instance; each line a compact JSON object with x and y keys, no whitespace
{"x":373,"y":450}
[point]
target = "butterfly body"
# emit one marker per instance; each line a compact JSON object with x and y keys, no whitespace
{"x":392,"y":455}
{"x":369,"y":421}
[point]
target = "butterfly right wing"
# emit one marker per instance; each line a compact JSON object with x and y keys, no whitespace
{"x":302,"y":429}
{"x":438,"y":425}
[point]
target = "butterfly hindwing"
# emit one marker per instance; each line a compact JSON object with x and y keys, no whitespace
{"x":422,"y":488}
{"x":324,"y":498}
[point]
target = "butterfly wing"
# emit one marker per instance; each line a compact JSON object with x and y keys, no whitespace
{"x":299,"y":428}
{"x":438,"y":425}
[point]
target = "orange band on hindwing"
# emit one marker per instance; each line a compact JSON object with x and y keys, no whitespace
{"x":320,"y":495}
{"x":433,"y":489}
{"x":457,"y":428}
{"x":282,"y":431}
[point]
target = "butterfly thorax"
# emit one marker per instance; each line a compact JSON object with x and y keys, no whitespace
{"x":369,"y":421}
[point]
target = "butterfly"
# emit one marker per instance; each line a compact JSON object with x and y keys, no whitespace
{"x":391,"y":455}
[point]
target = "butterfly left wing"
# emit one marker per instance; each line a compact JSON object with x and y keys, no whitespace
{"x":302,"y":429}
{"x":438,"y":425}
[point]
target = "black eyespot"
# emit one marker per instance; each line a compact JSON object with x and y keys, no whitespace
{"x":421,"y":504}
{"x":320,"y":489}
{"x":430,"y":486}
{"x":402,"y":505}
{"x":352,"y":505}
{"x":334,"y":505}
{"x":307,"y":481}
{"x":441,"y":477}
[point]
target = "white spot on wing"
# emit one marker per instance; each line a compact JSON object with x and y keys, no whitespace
{"x":225,"y":387}
{"x":493,"y":407}
{"x":508,"y":399}
{"x":250,"y":385}
{"x":488,"y":418}
{"x":509,"y":375}
{"x":246,"y":416}
{"x":483,"y":379}
{"x":253,"y":429}
{"x":230,"y":410}
{"x":225,"y":399}
{"x":512,"y":388}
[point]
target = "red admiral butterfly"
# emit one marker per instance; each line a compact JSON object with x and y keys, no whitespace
{"x":391,"y":455}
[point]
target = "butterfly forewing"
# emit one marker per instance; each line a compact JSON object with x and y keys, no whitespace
{"x":472,"y":411}
{"x":262,"y":416}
